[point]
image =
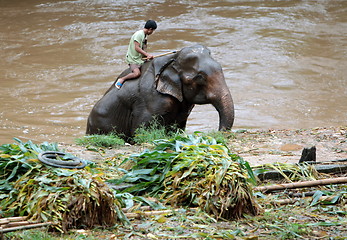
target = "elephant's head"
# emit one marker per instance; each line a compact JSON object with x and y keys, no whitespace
{"x":192,"y":75}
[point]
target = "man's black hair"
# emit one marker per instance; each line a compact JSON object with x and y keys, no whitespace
{"x":151,"y":24}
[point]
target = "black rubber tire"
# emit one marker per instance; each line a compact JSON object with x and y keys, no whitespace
{"x":50,"y":158}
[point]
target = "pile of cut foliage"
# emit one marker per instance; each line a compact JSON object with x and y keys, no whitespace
{"x":67,"y":198}
{"x":193,"y":171}
{"x":189,"y":170}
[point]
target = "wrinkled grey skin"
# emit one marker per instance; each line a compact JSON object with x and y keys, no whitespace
{"x":168,"y":88}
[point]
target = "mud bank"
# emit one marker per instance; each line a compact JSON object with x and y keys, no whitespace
{"x":258,"y":146}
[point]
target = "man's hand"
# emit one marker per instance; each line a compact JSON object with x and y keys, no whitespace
{"x":149,"y":56}
{"x":146,"y":55}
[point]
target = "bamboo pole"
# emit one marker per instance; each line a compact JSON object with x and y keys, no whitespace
{"x":284,"y":201}
{"x":19,"y":223}
{"x":148,"y":213}
{"x":154,"y":212}
{"x":302,"y":194}
{"x":143,"y":208}
{"x":11,"y":219}
{"x":3,"y":222}
{"x":32,"y":225}
{"x":314,"y":183}
{"x":294,"y":200}
{"x":163,"y":54}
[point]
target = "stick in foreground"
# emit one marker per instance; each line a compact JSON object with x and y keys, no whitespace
{"x":301,"y":184}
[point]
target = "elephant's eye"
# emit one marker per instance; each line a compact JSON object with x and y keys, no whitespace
{"x":200,"y":78}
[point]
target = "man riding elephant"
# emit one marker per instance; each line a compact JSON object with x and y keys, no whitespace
{"x":167,"y":89}
{"x":136,"y":52}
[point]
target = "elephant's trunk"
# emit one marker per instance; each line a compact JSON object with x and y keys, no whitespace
{"x":220,"y":98}
{"x":225,"y":108}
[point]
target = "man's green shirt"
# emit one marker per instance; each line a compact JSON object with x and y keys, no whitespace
{"x":134,"y":57}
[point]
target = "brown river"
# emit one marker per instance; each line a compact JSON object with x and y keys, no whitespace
{"x":285,"y":62}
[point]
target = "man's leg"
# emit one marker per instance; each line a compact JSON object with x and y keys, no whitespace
{"x":135,"y":73}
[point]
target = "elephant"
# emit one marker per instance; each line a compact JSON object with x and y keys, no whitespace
{"x":168,"y":89}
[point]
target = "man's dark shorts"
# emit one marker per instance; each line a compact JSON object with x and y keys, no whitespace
{"x":134,"y":66}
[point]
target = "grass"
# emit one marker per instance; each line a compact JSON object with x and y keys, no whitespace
{"x":144,"y":134}
{"x":38,"y":234}
{"x":30,"y":234}
{"x":155,"y":131}
{"x":289,"y":172}
{"x":108,"y":141}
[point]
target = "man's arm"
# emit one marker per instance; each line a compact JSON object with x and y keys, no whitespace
{"x":140,"y":50}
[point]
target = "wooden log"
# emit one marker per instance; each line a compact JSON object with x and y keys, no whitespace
{"x":33,"y":225}
{"x":284,"y":201}
{"x":294,"y":200}
{"x":11,"y":219}
{"x":304,"y":184}
{"x":321,"y":167}
{"x":147,"y":213}
{"x":3,"y":221}
{"x":302,"y":194}
{"x":19,"y":223}
{"x":143,"y":208}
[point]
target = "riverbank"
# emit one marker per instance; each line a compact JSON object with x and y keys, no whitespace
{"x":282,"y":217}
{"x":258,"y":146}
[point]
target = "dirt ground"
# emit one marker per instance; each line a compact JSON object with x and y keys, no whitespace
{"x":285,"y":146}
{"x":257,"y":146}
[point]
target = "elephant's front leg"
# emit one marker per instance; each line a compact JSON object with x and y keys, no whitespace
{"x":174,"y":113}
{"x":140,"y":117}
{"x":182,"y":116}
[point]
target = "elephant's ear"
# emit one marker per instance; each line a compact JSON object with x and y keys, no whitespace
{"x":168,"y":80}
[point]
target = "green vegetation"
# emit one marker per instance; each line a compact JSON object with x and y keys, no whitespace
{"x":289,"y":172}
{"x":29,"y":235}
{"x":144,"y":134}
{"x":111,"y":140}
{"x":34,"y":234}
{"x":68,"y":198}
{"x":195,"y":175}
{"x":193,"y":171}
{"x":148,"y":134}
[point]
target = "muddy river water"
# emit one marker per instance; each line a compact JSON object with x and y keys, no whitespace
{"x":285,"y":62}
